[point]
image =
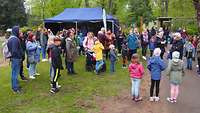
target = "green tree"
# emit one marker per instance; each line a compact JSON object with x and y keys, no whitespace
{"x":141,"y":8}
{"x":12,"y":13}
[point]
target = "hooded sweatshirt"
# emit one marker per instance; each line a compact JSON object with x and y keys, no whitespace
{"x":14,"y":45}
{"x":175,"y":71}
{"x":156,"y":65}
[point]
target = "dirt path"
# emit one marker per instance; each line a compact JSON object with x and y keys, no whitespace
{"x":188,"y":101}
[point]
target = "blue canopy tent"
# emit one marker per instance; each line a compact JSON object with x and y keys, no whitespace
{"x":80,"y":17}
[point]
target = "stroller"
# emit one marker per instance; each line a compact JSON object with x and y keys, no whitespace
{"x":91,"y":62}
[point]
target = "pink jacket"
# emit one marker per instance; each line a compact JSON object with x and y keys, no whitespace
{"x":136,"y":70}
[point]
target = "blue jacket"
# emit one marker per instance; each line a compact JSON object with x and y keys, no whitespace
{"x":113,"y":56}
{"x":33,"y":49}
{"x":156,"y":65}
{"x":132,"y":41}
{"x":14,"y":45}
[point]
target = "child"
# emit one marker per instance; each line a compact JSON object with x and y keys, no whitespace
{"x":189,"y":52}
{"x":56,"y":64}
{"x":80,"y":43}
{"x":155,"y":65}
{"x":175,"y":71}
{"x":98,"y":51}
{"x":124,"y":54}
{"x":113,"y":58}
{"x":136,"y":71}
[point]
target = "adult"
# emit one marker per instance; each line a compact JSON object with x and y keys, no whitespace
{"x":71,"y":53}
{"x":160,"y":42}
{"x":133,"y":44}
{"x":88,"y":42}
{"x":33,"y":55}
{"x":144,"y":43}
{"x":23,"y":45}
{"x":110,"y":39}
{"x":120,"y":40}
{"x":43,"y":43}
{"x":15,"y":49}
{"x":177,"y":45}
{"x":102,"y":36}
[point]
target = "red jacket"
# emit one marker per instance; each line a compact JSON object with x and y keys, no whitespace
{"x":136,"y":70}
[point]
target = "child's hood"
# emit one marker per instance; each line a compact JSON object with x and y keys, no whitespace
{"x":155,"y":60}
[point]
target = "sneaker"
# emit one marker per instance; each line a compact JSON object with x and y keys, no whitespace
{"x":54,"y":90}
{"x":197,"y":66}
{"x":157,"y":99}
{"x":31,"y":77}
{"x":174,"y":100}
{"x":19,"y":91}
{"x":57,"y":85}
{"x":24,"y":79}
{"x":144,"y":57}
{"x":151,"y":99}
{"x":138,"y":99}
{"x":37,"y":74}
{"x":170,"y":100}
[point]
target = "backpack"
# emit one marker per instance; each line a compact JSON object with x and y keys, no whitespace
{"x":6,"y":52}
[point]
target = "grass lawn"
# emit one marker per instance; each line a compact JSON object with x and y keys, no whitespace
{"x":77,"y":94}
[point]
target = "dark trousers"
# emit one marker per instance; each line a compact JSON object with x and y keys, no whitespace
{"x":162,"y":54}
{"x":107,"y":53}
{"x":81,"y":50}
{"x":144,"y":51}
{"x":153,"y":83}
{"x":55,"y":77}
{"x":151,"y":53}
{"x":130,"y":53}
{"x":119,"y":44}
{"x":21,"y":72}
{"x":198,"y":63}
{"x":70,"y":67}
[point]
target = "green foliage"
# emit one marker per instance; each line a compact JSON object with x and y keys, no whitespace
{"x":141,"y":8}
{"x":12,"y":13}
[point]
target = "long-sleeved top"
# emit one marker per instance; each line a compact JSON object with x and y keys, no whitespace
{"x":14,"y":45}
{"x":113,"y":55}
{"x":56,"y":58}
{"x":136,"y":70}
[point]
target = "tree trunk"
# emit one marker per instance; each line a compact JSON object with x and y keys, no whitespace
{"x":166,"y":7}
{"x":110,"y":6}
{"x":163,"y":7}
{"x":197,"y":7}
{"x":86,"y":3}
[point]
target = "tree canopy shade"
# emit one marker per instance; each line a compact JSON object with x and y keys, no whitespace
{"x":12,"y":13}
{"x":79,"y":15}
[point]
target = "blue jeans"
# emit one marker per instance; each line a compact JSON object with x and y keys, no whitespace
{"x":112,"y":66}
{"x":99,"y":64}
{"x":189,"y":63}
{"x":32,"y":69}
{"x":70,"y":67}
{"x":43,"y":52}
{"x":15,"y":65}
{"x":135,"y":90}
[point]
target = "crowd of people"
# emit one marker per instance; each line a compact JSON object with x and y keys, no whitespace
{"x":70,"y":44}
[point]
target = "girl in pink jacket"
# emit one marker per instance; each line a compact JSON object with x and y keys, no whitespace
{"x":136,"y":71}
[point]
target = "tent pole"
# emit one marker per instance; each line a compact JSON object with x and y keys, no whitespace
{"x":76,"y":28}
{"x":113,"y":27}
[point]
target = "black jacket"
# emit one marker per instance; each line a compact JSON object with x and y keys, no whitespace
{"x":56,"y":58}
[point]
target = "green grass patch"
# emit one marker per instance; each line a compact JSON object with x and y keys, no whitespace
{"x":76,"y":95}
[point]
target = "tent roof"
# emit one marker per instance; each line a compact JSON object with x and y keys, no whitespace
{"x":79,"y":15}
